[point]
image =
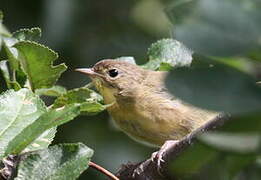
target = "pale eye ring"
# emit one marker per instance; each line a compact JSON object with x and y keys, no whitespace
{"x":113,"y":73}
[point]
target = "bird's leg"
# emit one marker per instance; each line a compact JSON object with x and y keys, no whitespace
{"x":157,"y":156}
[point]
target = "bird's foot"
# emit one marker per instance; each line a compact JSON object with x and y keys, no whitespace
{"x":157,"y":156}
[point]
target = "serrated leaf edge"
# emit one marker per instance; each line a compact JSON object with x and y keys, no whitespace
{"x":28,"y":30}
{"x":39,"y":45}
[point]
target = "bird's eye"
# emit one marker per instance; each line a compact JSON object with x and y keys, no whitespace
{"x":113,"y":73}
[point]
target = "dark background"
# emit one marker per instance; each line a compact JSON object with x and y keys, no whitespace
{"x":84,"y":32}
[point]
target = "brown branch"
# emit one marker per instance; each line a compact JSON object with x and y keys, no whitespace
{"x":103,"y":171}
{"x":149,"y":170}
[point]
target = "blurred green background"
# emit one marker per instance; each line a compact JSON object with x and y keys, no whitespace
{"x":84,"y":32}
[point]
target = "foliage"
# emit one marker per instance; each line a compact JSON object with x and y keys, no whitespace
{"x":55,"y":162}
{"x":36,"y":61}
{"x":211,"y":87}
{"x":89,"y":99}
{"x":167,"y":53}
{"x":220,"y":79}
{"x":27,"y":124}
{"x":220,"y":28}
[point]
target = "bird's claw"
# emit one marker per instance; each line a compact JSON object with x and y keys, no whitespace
{"x":157,"y":156}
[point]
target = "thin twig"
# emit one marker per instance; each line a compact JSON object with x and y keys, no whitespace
{"x":104,"y":171}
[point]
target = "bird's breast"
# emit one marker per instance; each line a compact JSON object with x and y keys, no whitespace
{"x":144,"y":123}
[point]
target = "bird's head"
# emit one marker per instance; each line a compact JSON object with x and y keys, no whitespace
{"x":112,"y":77}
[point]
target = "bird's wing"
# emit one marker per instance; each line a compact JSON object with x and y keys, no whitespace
{"x":174,"y":112}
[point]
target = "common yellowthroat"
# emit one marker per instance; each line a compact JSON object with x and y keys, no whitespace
{"x":141,"y":105}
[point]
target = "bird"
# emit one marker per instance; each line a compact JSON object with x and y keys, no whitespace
{"x":140,"y":104}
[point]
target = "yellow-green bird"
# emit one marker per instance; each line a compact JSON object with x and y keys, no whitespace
{"x":141,"y":105}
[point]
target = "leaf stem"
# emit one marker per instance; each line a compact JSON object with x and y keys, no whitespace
{"x":104,"y":171}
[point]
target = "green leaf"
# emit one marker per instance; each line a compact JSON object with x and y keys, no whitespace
{"x":203,"y":160}
{"x":233,"y":142}
{"x":249,"y":123}
{"x":235,"y":163}
{"x":11,"y":53}
{"x":17,"y":111}
{"x":128,"y":59}
{"x":167,"y":53}
{"x":43,"y":141}
{"x":89,"y":100}
{"x":255,"y":55}
{"x":50,"y":119}
{"x":17,"y":75}
{"x":5,"y":71}
{"x":198,"y":155}
{"x":36,"y":61}
{"x":218,"y":28}
{"x":32,"y":34}
{"x":53,"y":91}
{"x":242,"y":64}
{"x":218,"y":87}
{"x":3,"y":29}
{"x":26,"y":122}
{"x":59,"y":162}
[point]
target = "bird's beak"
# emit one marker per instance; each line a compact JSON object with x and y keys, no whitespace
{"x":89,"y":72}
